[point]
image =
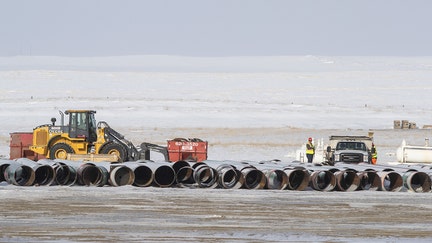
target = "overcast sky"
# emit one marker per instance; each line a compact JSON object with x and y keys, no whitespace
{"x":215,"y":27}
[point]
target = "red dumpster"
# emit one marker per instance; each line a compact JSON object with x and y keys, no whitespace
{"x":19,"y":146}
{"x":187,"y":149}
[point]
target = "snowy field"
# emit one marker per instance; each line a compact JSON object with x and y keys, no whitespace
{"x":275,"y":101}
{"x":247,"y":108}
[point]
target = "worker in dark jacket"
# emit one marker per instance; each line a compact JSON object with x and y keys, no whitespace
{"x":310,"y":150}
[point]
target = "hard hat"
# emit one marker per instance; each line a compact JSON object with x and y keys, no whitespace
{"x":310,"y":139}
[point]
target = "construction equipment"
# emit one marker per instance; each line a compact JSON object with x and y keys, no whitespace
{"x":349,"y":149}
{"x":83,"y":136}
{"x":20,"y":143}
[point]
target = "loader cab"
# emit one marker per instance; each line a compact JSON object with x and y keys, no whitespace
{"x":82,"y":124}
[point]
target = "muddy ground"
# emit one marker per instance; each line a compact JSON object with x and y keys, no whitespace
{"x":132,"y":214}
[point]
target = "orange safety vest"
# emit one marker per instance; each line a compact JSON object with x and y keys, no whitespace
{"x":374,"y":156}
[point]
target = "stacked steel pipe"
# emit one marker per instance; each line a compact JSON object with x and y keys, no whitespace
{"x":272,"y":174}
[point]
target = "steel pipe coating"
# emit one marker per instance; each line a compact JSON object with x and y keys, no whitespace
{"x":275,"y":179}
{"x":44,"y":174}
{"x":19,"y":175}
{"x":417,"y":181}
{"x":229,"y":177}
{"x":369,"y":180}
{"x":92,"y":175}
{"x":223,"y":174}
{"x":347,"y":180}
{"x":3,"y":165}
{"x":183,"y":170}
{"x":163,"y":173}
{"x":391,"y":181}
{"x":65,"y":175}
{"x":205,"y":176}
{"x":142,"y":173}
{"x":253,"y":177}
{"x":298,"y":178}
{"x":121,"y":175}
{"x":322,"y":180}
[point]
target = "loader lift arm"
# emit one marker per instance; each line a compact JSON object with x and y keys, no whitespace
{"x":147,"y":147}
{"x":112,"y":135}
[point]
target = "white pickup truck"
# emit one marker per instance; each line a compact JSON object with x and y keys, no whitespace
{"x":349,"y":149}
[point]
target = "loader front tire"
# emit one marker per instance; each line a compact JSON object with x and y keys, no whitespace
{"x":60,"y":151}
{"x":114,"y":148}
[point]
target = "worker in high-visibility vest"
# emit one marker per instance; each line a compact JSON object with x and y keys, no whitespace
{"x":374,"y":154}
{"x":310,"y":150}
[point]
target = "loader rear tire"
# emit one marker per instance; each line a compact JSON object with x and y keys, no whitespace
{"x":60,"y":151}
{"x":114,"y":148}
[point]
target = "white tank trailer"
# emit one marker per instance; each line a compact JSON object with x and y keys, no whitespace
{"x":414,"y":154}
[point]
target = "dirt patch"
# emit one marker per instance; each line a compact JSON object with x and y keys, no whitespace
{"x":206,"y":215}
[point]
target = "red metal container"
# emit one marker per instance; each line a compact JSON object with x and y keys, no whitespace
{"x":20,"y":146}
{"x":187,"y":149}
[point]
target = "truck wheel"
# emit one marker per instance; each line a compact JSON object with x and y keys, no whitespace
{"x":113,"y":148}
{"x":60,"y":151}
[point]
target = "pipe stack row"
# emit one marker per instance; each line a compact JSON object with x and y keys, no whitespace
{"x":219,"y":174}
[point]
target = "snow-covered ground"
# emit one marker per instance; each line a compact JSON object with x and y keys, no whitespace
{"x":253,"y":108}
{"x":142,"y":96}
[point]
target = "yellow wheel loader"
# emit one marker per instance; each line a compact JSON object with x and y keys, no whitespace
{"x":83,"y":136}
